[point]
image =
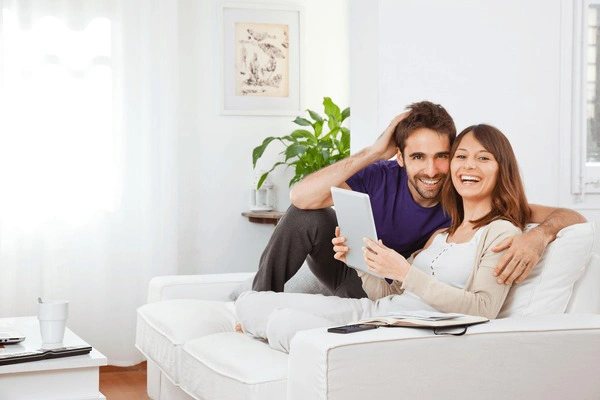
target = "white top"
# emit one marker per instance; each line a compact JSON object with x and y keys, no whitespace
{"x":451,"y":263}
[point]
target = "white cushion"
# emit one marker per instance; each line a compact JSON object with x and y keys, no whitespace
{"x":232,"y":366}
{"x":548,"y":289}
{"x":163,"y":327}
{"x":586,"y":292}
{"x":302,"y":282}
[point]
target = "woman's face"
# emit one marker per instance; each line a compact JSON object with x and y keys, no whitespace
{"x":474,"y":170}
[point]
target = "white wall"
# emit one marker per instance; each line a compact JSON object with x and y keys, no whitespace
{"x":486,"y":61}
{"x":215,"y":161}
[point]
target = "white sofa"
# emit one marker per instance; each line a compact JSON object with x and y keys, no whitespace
{"x":545,"y":345}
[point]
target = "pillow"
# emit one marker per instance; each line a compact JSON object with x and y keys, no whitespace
{"x":302,"y":282}
{"x":548,"y":289}
{"x":241,"y":288}
{"x":305,"y":282}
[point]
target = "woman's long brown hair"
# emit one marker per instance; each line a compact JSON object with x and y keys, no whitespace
{"x":509,"y":201}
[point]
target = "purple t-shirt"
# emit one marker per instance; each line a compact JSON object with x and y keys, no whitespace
{"x":401,"y":223}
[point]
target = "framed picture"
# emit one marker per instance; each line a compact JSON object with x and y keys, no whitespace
{"x":261,"y":59}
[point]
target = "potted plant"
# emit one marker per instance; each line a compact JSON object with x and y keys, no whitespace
{"x":308,"y":151}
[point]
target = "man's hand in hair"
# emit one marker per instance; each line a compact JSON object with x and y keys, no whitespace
{"x":385,"y":143}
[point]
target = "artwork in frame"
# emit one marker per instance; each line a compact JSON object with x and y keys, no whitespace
{"x":261,"y":59}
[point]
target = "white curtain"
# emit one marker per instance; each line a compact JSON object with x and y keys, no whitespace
{"x":88,"y":170}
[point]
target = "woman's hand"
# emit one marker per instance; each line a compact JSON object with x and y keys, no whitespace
{"x":385,"y":261}
{"x":338,"y":246}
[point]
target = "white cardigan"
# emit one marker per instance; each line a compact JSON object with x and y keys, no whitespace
{"x":482,"y":295}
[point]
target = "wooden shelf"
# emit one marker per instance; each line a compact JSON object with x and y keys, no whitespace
{"x":263,"y":217}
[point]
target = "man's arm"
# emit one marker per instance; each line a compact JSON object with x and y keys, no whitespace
{"x":313,"y":192}
{"x":525,"y":251}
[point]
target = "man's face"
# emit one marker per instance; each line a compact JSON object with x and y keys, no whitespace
{"x":426,"y":161}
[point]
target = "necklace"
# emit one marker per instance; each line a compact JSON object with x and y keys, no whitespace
{"x":431,"y":266}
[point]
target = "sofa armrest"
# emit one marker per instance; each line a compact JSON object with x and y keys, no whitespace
{"x":547,"y":356}
{"x":202,"y":287}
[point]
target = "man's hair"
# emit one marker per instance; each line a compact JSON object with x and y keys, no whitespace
{"x":509,"y":201}
{"x":424,"y":114}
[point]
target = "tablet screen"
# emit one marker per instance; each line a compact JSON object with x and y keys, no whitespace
{"x":355,"y":219}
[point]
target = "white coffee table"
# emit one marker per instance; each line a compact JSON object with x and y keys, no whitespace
{"x":68,"y":378}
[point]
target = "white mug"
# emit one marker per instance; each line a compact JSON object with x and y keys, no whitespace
{"x":52,"y":316}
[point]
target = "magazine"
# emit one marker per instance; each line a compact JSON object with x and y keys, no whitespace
{"x":424,"y":319}
{"x":16,"y":357}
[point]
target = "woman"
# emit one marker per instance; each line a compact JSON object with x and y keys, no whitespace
{"x":484,"y":196}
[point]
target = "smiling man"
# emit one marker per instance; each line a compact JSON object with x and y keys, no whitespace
{"x":404,"y":194}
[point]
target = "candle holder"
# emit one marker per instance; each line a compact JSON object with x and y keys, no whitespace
{"x":262,"y":199}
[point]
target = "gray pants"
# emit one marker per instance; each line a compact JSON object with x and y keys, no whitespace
{"x":306,"y":235}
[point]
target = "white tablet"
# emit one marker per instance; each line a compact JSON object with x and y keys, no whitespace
{"x":355,"y":219}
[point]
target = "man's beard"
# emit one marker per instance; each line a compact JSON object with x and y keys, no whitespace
{"x":428,"y":193}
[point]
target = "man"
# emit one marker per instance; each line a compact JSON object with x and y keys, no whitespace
{"x":404,"y":195}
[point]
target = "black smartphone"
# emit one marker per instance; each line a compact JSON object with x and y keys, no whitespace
{"x":352,"y":328}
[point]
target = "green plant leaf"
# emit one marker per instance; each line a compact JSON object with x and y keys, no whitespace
{"x":307,"y":152}
{"x":259,"y":150}
{"x":331,"y":109}
{"x":300,"y":172}
{"x":318,"y":127}
{"x":302,"y":121}
{"x":303,"y":133}
{"x":332,"y":133}
{"x":345,"y":113}
{"x":288,"y":138}
{"x":337,"y":157}
{"x":345,"y":141}
{"x":264,"y":176}
{"x":326,"y":145}
{"x":294,"y":150}
{"x":262,"y":180}
{"x":332,"y":123}
{"x":297,"y":178}
{"x":314,"y":115}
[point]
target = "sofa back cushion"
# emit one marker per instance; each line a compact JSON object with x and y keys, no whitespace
{"x":302,"y":282}
{"x":586,"y":292}
{"x":548,"y":289}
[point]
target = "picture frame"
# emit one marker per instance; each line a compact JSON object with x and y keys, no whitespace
{"x":261,"y":59}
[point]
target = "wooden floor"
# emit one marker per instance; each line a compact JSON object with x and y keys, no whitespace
{"x":128,"y":383}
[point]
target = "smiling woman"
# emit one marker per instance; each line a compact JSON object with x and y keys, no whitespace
{"x":485,"y":178}
{"x":474,"y":171}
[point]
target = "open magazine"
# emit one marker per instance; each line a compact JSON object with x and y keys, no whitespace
{"x":424,"y":319}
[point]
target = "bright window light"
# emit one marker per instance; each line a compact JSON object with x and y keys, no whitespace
{"x":57,"y":146}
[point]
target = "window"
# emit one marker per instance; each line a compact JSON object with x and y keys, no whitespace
{"x":592,"y":85}
{"x":57,"y":148}
{"x":580,"y":104}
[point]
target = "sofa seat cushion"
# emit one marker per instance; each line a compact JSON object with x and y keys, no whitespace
{"x":163,"y":327}
{"x":232,"y":366}
{"x":534,"y":357}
